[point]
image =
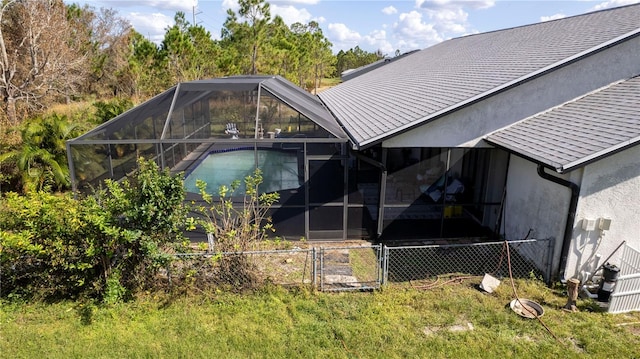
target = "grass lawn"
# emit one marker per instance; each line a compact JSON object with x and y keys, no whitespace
{"x":451,"y":321}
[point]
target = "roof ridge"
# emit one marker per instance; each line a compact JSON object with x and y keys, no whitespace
{"x":546,"y":22}
{"x":572,"y":143}
{"x":551,"y":109}
{"x":461,"y":72}
{"x":503,"y":87}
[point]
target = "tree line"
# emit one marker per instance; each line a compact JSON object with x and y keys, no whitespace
{"x":56,"y":53}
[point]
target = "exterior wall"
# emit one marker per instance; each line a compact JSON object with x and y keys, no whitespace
{"x":611,"y":186}
{"x":536,"y":204}
{"x":466,"y":127}
{"x":610,"y":189}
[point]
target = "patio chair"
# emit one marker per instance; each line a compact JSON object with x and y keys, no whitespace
{"x":232,"y":130}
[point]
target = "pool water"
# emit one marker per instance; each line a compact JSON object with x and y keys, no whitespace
{"x":279,"y":170}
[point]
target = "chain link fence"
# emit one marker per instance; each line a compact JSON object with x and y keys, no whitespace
{"x":527,"y":258}
{"x":242,"y":270}
{"x":364,"y":267}
{"x":350,"y":268}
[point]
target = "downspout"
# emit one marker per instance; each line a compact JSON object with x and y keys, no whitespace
{"x":571,"y":216}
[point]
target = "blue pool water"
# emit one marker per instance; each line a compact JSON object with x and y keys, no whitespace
{"x":279,"y":170}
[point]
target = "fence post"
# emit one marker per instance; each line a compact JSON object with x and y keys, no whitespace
{"x":314,"y":268}
{"x":321,"y":269}
{"x":379,"y":256}
{"x":385,"y":264}
{"x":169,"y":274}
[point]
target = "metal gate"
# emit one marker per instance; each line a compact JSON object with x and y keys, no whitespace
{"x":350,"y":268}
{"x":626,"y":295}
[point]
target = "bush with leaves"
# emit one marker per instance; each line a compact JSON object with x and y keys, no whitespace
{"x":106,"y":110}
{"x":49,"y":245}
{"x":40,"y":159}
{"x":104,"y":246}
{"x":236,"y":227}
{"x":150,"y":204}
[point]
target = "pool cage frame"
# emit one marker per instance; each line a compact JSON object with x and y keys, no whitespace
{"x":182,"y":125}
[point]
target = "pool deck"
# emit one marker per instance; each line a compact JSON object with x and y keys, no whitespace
{"x":192,"y":158}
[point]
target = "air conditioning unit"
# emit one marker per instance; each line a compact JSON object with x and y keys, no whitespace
{"x":588,"y":224}
{"x":604,"y":224}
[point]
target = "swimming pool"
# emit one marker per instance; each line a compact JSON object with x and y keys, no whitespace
{"x":279,"y":169}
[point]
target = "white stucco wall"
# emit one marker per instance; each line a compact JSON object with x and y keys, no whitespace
{"x":535,"y":203}
{"x":466,"y":127}
{"x":610,"y":189}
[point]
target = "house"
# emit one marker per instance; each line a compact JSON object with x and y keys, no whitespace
{"x":539,"y":122}
{"x":524,"y":132}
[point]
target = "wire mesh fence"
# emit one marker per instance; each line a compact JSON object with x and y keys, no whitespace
{"x":527,"y":258}
{"x":362,"y":267}
{"x":350,"y":268}
{"x":243,"y":270}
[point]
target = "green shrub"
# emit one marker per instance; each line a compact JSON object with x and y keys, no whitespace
{"x":149,"y":206}
{"x":102,"y":246}
{"x":236,"y":228}
{"x":47,"y":245}
{"x":106,"y":110}
{"x":39,"y":161}
{"x":114,"y":291}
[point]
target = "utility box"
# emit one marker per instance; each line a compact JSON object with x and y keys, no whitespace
{"x":588,"y":224}
{"x":604,"y":224}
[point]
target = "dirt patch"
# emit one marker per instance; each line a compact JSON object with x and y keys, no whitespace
{"x":633,"y":328}
{"x":576,"y":345}
{"x":453,"y":328}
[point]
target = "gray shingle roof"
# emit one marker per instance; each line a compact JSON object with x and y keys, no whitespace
{"x":579,"y":131}
{"x":441,"y":78}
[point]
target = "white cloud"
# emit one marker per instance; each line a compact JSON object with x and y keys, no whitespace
{"x":230,"y":4}
{"x":552,"y":17}
{"x":344,"y":38}
{"x":389,"y":10}
{"x":342,"y":33}
{"x":449,"y":20}
{"x":152,"y":25}
{"x":288,"y":12}
{"x":378,"y":40}
{"x":291,"y":14}
{"x":306,"y":2}
{"x":440,"y":4}
{"x":431,"y":22}
{"x":173,"y":5}
{"x":613,"y":3}
{"x":434,"y":21}
{"x":414,"y":33}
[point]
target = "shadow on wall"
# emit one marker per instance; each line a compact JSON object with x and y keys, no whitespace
{"x":608,"y":179}
{"x":585,"y":248}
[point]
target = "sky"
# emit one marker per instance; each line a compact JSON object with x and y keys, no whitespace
{"x":372,"y":25}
